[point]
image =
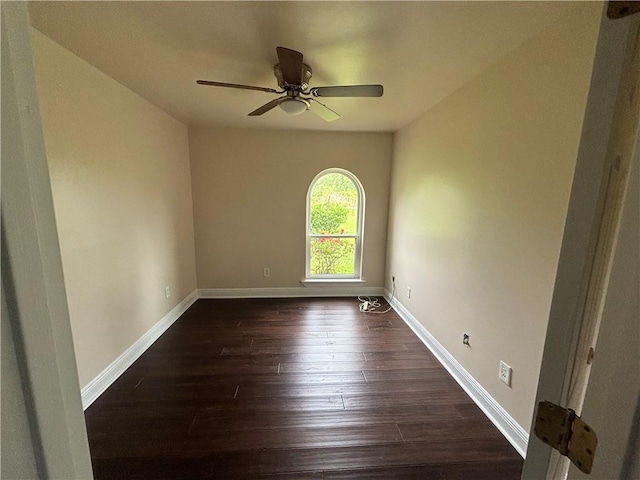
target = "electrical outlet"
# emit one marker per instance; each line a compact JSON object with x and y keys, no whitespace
{"x":465,"y":339}
{"x":167,"y":292}
{"x":266,"y":272}
{"x":505,"y":373}
{"x":408,"y":292}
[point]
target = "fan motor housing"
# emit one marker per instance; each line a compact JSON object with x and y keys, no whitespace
{"x":306,"y":76}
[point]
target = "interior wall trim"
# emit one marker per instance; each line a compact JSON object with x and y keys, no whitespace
{"x":512,"y":431}
{"x":104,"y":379}
{"x":321,"y":291}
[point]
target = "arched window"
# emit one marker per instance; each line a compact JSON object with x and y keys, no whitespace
{"x":335,"y":225}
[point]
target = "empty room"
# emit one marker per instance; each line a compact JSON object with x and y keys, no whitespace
{"x":320,"y":240}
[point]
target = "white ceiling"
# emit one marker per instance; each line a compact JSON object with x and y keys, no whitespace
{"x":420,"y":51}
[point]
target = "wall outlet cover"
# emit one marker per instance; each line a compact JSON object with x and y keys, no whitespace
{"x":505,"y":373}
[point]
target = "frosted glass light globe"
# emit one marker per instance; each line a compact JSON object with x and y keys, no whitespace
{"x":294,"y":106}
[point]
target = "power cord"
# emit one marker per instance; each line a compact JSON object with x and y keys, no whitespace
{"x":369,"y":304}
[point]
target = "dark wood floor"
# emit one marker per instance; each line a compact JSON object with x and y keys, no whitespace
{"x":292,"y":388}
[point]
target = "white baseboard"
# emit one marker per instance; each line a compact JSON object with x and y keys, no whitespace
{"x":104,"y":379}
{"x":512,"y":431}
{"x":323,"y":291}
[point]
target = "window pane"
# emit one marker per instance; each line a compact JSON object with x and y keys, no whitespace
{"x":333,"y":205}
{"x":332,"y":256}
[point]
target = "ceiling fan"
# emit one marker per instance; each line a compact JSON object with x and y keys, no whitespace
{"x":293,"y":78}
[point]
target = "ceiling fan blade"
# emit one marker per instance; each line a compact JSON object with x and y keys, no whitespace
{"x":322,"y":110}
{"x":236,"y":85}
{"x":348,"y":91}
{"x":267,"y":106}
{"x":290,"y":65}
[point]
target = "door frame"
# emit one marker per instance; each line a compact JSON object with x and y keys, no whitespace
{"x":33,"y":289}
{"x":567,"y":333}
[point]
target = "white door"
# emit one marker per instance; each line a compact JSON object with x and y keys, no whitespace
{"x":43,"y":431}
{"x":613,"y":391}
{"x":609,"y":400}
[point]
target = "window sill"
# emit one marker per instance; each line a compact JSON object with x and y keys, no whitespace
{"x":331,"y":282}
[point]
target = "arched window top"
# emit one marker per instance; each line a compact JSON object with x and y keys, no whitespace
{"x":335,"y":224}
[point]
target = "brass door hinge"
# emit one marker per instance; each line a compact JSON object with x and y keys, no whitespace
{"x":563,"y":430}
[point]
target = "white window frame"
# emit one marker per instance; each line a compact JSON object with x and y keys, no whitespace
{"x":358,"y":236}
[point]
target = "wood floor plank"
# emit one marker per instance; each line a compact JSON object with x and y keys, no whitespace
{"x":262,"y":331}
{"x":208,"y":368}
{"x":145,"y":468}
{"x":408,"y":375}
{"x":351,"y":366}
{"x":291,"y":389}
{"x":149,"y":394}
{"x":292,"y":476}
{"x":491,"y":469}
{"x":400,"y":334}
{"x":415,"y":354}
{"x":270,"y":359}
{"x":108,"y":422}
{"x":216,"y":441}
{"x":237,"y":463}
{"x":407,"y":399}
{"x":361,"y":342}
{"x":134,"y":407}
{"x":302,"y":437}
{"x":207,"y":421}
{"x":298,"y":349}
{"x":456,"y":428}
{"x":283,"y":378}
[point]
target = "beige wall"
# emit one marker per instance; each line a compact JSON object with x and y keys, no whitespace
{"x":249,"y":193}
{"x":121,"y":184}
{"x":480,"y":188}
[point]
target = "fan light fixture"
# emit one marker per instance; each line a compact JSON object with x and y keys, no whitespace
{"x":293,"y":76}
{"x":294,"y":106}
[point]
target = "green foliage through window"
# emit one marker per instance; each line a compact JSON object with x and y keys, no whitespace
{"x":332,"y":256}
{"x":327,"y":217}
{"x":333,"y":210}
